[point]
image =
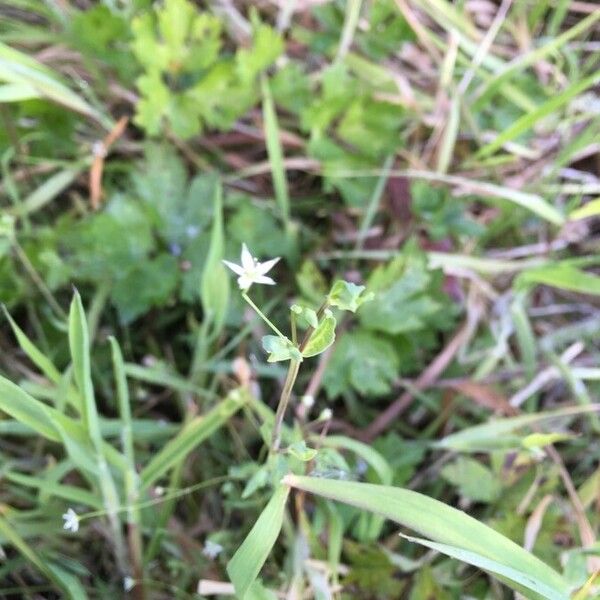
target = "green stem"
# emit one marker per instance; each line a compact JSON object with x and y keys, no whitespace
{"x":283,"y":404}
{"x":262,"y":316}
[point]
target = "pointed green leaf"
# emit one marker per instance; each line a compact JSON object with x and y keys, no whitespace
{"x":214,"y":286}
{"x":247,"y":562}
{"x":79,"y":344}
{"x":322,"y":337}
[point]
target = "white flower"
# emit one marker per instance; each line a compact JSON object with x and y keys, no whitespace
{"x":71,"y":521}
{"x":212,"y":549}
{"x":128,"y":583}
{"x":251,"y":271}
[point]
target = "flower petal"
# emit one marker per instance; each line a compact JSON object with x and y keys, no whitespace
{"x":235,"y":268}
{"x":247,"y":261}
{"x":263,"y":279}
{"x":262,"y":268}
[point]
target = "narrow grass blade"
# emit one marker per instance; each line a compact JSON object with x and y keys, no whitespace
{"x":276,"y":156}
{"x":71,"y":493}
{"x":374,"y":202}
{"x":144,"y":430}
{"x":591,"y":209}
{"x":36,"y":356}
{"x":17,"y":67}
{"x":448,"y":140}
{"x":516,"y":579}
{"x":67,"y":587}
{"x":214,"y":286}
{"x":130,"y":475}
{"x":375,"y":460}
{"x":46,"y":192}
{"x":17,"y":92}
{"x":488,"y":436}
{"x":164,"y":379}
{"x":563,"y":276}
{"x":350,"y":23}
{"x":193,"y":434}
{"x":437,"y":521}
{"x":364,"y":451}
{"x":524,"y":333}
{"x":527,"y":121}
{"x":525,"y":60}
{"x":80,"y":354}
{"x":123,"y":401}
{"x":247,"y":562}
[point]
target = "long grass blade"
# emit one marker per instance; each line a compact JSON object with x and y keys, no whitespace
{"x":193,"y":434}
{"x":440,"y":523}
{"x":247,"y":562}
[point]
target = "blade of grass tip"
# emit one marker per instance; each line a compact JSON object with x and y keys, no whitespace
{"x":275,"y":153}
{"x":130,"y":476}
{"x":351,"y":18}
{"x":591,"y":209}
{"x":80,"y":356}
{"x":527,"y":121}
{"x":373,"y":205}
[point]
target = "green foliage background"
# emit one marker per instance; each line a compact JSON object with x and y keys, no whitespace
{"x":390,"y":144}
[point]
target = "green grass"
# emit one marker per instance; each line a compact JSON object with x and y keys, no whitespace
{"x":441,"y":154}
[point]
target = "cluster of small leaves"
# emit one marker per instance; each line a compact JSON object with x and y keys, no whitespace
{"x":149,"y":244}
{"x":320,"y":329}
{"x":408,"y":306}
{"x":188,"y":80}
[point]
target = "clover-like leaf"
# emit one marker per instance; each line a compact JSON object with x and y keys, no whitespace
{"x":348,"y":296}
{"x":322,"y":337}
{"x":280,"y":348}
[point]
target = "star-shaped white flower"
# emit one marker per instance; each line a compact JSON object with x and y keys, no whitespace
{"x":212,"y":549}
{"x":71,"y":521}
{"x":251,"y":271}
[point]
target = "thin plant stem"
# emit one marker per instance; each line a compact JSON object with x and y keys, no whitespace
{"x":283,"y":404}
{"x":263,"y":316}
